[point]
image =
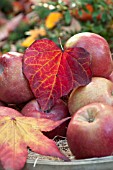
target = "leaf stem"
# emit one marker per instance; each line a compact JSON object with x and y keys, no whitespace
{"x":60,"y":42}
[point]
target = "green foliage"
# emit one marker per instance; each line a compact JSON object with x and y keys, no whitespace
{"x":6,"y":6}
{"x":67,"y":17}
{"x":102,"y":18}
{"x":42,"y":11}
{"x":101,"y":23}
{"x":21,"y":29}
{"x":6,"y":48}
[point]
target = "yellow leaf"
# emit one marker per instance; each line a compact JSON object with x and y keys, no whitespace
{"x":28,"y":41}
{"x":52,"y":19}
{"x":34,"y":34}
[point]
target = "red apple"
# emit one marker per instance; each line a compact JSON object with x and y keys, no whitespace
{"x":98,"y":90}
{"x":57,"y":112}
{"x":14,"y":87}
{"x":90,"y":131}
{"x":97,"y":46}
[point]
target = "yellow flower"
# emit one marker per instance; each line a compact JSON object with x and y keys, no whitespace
{"x":52,"y":19}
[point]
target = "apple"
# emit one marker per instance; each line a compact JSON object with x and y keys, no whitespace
{"x":90,"y":131}
{"x":57,"y":112}
{"x":14,"y":87}
{"x":99,"y":89}
{"x":98,"y":47}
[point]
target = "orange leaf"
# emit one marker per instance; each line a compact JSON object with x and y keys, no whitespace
{"x":19,"y":132}
{"x":17,"y":6}
{"x":52,"y":19}
{"x":86,"y":15}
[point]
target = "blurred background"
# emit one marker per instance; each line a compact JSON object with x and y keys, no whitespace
{"x":24,"y":21}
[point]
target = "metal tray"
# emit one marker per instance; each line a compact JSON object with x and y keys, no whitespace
{"x":103,"y":163}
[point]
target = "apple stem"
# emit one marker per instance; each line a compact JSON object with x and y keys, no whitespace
{"x":91,"y":116}
{"x":60,"y":42}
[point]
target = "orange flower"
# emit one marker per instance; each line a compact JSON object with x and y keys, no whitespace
{"x":52,"y":19}
{"x":34,"y":34}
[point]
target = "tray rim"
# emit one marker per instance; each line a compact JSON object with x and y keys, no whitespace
{"x":96,"y":160}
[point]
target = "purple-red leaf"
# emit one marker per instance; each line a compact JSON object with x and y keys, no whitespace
{"x":53,"y":73}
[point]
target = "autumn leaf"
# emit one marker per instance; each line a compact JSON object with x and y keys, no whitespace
{"x":17,"y":6}
{"x":52,"y":19}
{"x":34,"y":34}
{"x":10,"y":26}
{"x":53,"y":73}
{"x":28,"y":41}
{"x":73,"y":27}
{"x":19,"y":132}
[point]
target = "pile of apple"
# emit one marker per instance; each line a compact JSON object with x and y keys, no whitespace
{"x":90,"y":131}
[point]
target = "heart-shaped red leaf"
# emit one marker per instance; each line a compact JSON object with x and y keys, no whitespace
{"x":53,"y":73}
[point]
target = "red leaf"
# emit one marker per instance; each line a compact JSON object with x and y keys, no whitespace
{"x":53,"y":73}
